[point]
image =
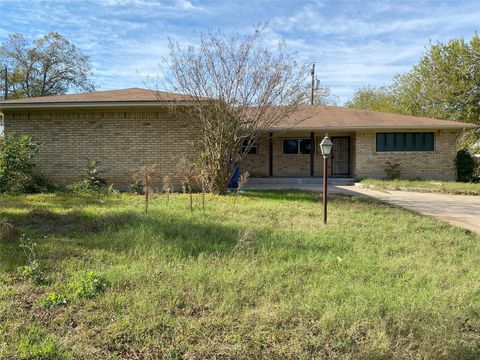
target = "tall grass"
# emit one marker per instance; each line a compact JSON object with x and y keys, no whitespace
{"x":262,"y":279}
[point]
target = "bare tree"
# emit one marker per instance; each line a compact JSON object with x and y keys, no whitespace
{"x":187,"y":170}
{"x":167,"y":187}
{"x":239,"y":89}
{"x":144,"y":176}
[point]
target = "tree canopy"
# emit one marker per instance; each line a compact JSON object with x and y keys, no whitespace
{"x":444,"y":84}
{"x":50,"y":65}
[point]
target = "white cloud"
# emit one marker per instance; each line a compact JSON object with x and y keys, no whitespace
{"x":353,"y":43}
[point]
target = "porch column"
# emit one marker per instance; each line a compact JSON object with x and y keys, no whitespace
{"x":312,"y":154}
{"x":270,"y":154}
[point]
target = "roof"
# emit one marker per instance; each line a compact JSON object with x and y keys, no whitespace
{"x":124,"y":97}
{"x":317,"y":117}
{"x":321,"y":117}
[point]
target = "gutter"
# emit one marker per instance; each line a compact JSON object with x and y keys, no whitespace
{"x":90,"y":105}
{"x":406,"y":127}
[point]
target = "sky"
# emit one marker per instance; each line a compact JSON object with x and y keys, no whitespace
{"x":353,"y":43}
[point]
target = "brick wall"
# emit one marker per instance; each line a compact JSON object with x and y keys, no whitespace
{"x":438,"y":164}
{"x":120,"y":141}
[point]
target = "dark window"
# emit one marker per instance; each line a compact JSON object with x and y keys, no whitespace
{"x":305,"y":146}
{"x":290,"y":146}
{"x":252,"y":150}
{"x":405,"y":141}
{"x":297,"y":146}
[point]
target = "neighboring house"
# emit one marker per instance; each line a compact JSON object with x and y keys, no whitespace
{"x":124,"y":129}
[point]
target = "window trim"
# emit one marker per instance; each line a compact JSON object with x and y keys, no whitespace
{"x":254,"y":146}
{"x":406,"y":151}
{"x":298,"y":146}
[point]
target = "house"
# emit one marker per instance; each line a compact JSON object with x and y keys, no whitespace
{"x":123,"y":129}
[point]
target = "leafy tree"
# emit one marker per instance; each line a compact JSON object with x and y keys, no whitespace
{"x":51,"y":65}
{"x":371,"y":98}
{"x":444,"y":84}
{"x":239,"y":88}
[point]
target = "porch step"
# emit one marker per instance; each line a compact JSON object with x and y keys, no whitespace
{"x":253,"y":181}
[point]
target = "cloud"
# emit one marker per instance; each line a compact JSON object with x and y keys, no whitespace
{"x":353,"y":43}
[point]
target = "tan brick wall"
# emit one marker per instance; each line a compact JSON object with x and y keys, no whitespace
{"x":121,"y":141}
{"x":257,"y":164}
{"x":438,"y":164}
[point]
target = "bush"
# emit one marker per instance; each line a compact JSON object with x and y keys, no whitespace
{"x":90,"y":285}
{"x":54,"y":299}
{"x":392,"y":170}
{"x":136,"y":188}
{"x":467,"y":168}
{"x":17,"y":172}
{"x":93,"y":180}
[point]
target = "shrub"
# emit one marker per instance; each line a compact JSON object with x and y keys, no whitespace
{"x":392,"y":170}
{"x":91,"y":285}
{"x":17,"y":172}
{"x":93,"y":180}
{"x":54,"y":299}
{"x":467,"y":168}
{"x":136,"y":188}
{"x":32,"y":271}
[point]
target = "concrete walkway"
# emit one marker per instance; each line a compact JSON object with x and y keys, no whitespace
{"x":460,"y":210}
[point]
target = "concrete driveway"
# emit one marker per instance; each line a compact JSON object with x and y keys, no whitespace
{"x":460,"y":210}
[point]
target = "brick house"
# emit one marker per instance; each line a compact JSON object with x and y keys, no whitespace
{"x":123,"y":129}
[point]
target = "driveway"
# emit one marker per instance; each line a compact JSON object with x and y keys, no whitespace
{"x":460,"y":210}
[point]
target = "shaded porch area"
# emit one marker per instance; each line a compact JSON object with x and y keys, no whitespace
{"x":294,"y":156}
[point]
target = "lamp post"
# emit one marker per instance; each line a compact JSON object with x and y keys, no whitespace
{"x":326,"y":147}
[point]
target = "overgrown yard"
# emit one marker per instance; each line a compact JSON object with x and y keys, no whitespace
{"x":446,"y":187}
{"x":262,"y":278}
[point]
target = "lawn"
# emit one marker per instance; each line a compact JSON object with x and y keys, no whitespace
{"x":446,"y":187}
{"x":255,"y":277}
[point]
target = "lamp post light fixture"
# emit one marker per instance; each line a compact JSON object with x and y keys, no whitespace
{"x":326,"y":148}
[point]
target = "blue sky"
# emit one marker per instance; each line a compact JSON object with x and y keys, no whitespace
{"x":354,"y":43}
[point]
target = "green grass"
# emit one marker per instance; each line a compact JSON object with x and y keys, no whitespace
{"x":446,"y":187}
{"x":260,"y":279}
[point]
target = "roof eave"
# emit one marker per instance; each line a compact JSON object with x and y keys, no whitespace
{"x":92,"y":105}
{"x":390,"y":127}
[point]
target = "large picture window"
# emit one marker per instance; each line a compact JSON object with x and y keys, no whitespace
{"x":405,"y":141}
{"x":297,"y":146}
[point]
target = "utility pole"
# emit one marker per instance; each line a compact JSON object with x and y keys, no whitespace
{"x":313,"y":83}
{"x":5,"y":96}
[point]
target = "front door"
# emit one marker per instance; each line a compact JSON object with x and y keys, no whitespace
{"x":340,"y":156}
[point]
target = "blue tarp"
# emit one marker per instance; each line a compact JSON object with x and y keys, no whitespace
{"x":233,"y":184}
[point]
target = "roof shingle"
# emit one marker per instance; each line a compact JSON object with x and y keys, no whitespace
{"x":316,"y":117}
{"x":123,"y":95}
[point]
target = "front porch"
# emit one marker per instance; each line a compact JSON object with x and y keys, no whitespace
{"x":295,"y":156}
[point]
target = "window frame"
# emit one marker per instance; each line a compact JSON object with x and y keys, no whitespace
{"x":254,"y":146}
{"x":377,"y":150}
{"x":298,"y":140}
